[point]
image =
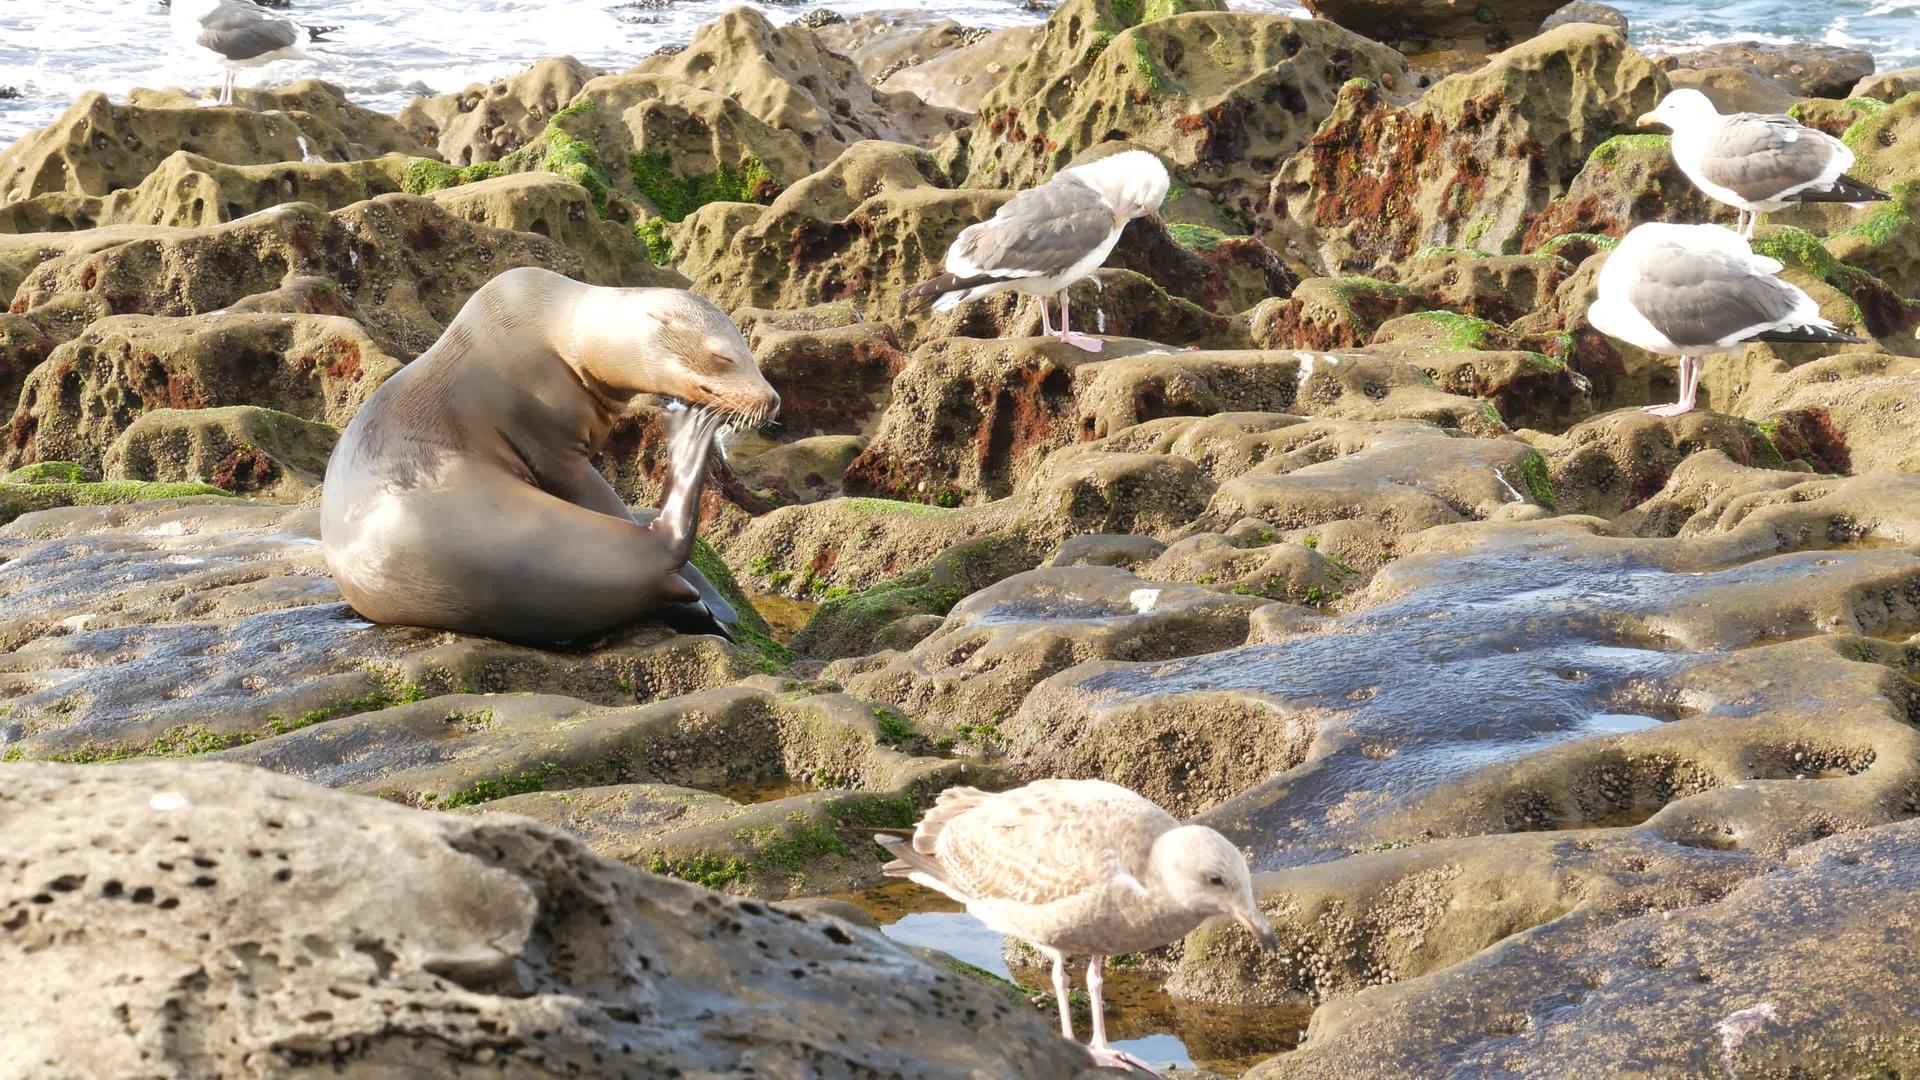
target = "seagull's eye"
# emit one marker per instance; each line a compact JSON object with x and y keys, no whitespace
{"x":1216,"y":880}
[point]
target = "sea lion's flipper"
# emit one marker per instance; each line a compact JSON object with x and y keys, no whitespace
{"x":690,"y":435}
{"x":715,"y":603}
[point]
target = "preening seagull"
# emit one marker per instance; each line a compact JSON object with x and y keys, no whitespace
{"x":1077,"y":868}
{"x":1754,"y":162}
{"x":240,"y":34}
{"x":1044,"y":239}
{"x":1694,"y":290}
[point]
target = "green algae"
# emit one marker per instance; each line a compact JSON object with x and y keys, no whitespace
{"x":1610,"y":153}
{"x":653,"y":234}
{"x":1198,"y":237}
{"x":1599,"y":241}
{"x":24,"y":498}
{"x":48,"y":472}
{"x":1888,"y":221}
{"x":891,"y":506}
{"x":1538,"y":480}
{"x":424,"y":177}
{"x":1463,"y":332}
{"x":677,"y":195}
{"x":764,"y":653}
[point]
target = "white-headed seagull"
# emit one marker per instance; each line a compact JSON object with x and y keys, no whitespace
{"x":1045,"y":239}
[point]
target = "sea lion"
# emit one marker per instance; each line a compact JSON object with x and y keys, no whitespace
{"x":463,"y":495}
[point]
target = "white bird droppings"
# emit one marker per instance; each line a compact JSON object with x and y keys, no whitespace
{"x":167,"y":800}
{"x":1143,"y":599}
{"x":1511,"y":490}
{"x":1738,"y":1027}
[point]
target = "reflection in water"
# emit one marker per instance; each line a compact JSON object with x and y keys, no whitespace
{"x":1142,"y":1019}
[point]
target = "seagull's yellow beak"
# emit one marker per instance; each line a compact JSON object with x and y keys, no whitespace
{"x":1647,"y":119}
{"x":1258,"y":926}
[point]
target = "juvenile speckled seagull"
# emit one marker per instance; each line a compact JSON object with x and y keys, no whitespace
{"x":1754,"y":162}
{"x":1044,"y":239}
{"x":1694,"y":290}
{"x":1077,"y":867}
{"x":240,"y":34}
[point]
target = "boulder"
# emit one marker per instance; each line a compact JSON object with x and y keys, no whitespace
{"x":1436,"y":25}
{"x":882,"y":42}
{"x":1586,"y":11}
{"x":1735,"y":89}
{"x":1627,"y":180}
{"x":97,"y":147}
{"x":1614,"y":462}
{"x":561,"y":210}
{"x":791,"y":79}
{"x":406,"y":263}
{"x":370,"y":133}
{"x":240,"y":448}
{"x":959,"y":78}
{"x":1222,"y":97}
{"x":23,"y":347}
{"x":92,"y":389}
{"x":1468,"y":165}
{"x":1803,"y":70}
{"x":474,"y":946}
{"x":189,"y":191}
{"x":1887,"y":86}
{"x":488,"y":122}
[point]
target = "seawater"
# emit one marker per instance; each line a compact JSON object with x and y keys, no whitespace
{"x":51,"y":51}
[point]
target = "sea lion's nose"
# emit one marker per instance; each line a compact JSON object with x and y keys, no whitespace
{"x":773,"y":402}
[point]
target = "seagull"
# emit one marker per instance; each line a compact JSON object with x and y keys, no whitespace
{"x":1693,"y":290}
{"x":1046,"y":238}
{"x":1076,"y":867}
{"x":1754,"y":162}
{"x":241,"y":34}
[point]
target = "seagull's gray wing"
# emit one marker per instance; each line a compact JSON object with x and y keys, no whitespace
{"x":1040,"y":232}
{"x":1761,"y":158}
{"x":242,"y":31}
{"x":1710,"y":298}
{"x":1047,"y":841}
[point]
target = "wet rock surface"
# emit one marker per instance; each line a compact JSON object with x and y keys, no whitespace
{"x":1562,"y":736}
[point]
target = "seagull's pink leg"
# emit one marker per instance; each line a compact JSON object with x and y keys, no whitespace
{"x":1046,"y":320}
{"x":1068,"y":337}
{"x":1689,"y":385}
{"x":1103,"y":1055}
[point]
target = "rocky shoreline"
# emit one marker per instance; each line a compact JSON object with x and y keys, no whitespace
{"x":1559,"y":733}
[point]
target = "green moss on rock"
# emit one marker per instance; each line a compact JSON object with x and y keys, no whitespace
{"x":653,"y":233}
{"x":424,"y":177}
{"x":48,"y":472}
{"x":1539,"y":482}
{"x":676,"y":195}
{"x":1463,"y":332}
{"x":24,"y":498}
{"x":1620,"y":146}
{"x":752,"y":631}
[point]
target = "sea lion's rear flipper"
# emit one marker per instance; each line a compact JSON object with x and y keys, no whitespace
{"x":715,"y":603}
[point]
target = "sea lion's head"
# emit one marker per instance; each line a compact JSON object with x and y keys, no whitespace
{"x":672,"y":343}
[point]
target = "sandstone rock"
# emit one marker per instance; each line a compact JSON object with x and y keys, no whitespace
{"x":1803,"y":70}
{"x":1815,"y":922}
{"x":481,"y":932}
{"x":92,"y":389}
{"x":563,"y":211}
{"x":1221,"y":97}
{"x":971,"y":419}
{"x":852,"y":544}
{"x":486,"y":123}
{"x":834,"y":376}
{"x":22,"y":493}
{"x":1585,"y":11}
{"x":671,"y":147}
{"x":789,"y":78}
{"x":804,"y":470}
{"x":961,"y":77}
{"x":1612,"y":463}
{"x":241,"y":448}
{"x":850,"y":625}
{"x":881,"y":42}
{"x":1735,"y":89}
{"x":97,"y":147}
{"x":1627,"y":180}
{"x":23,"y":346}
{"x":1887,"y":86}
{"x":1438,"y":24}
{"x":1857,"y":403}
{"x":407,"y":264}
{"x":370,"y":133}
{"x":1470,"y":163}
{"x":188,"y":191}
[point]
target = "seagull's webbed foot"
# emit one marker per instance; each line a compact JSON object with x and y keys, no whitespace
{"x":1106,"y":1057}
{"x":1678,"y":408}
{"x":1079,"y":340}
